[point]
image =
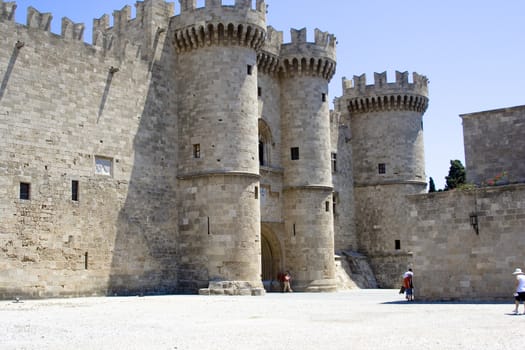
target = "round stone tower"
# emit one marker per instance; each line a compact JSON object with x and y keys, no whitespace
{"x":306,"y":69}
{"x":218,"y":172}
{"x":388,"y":164}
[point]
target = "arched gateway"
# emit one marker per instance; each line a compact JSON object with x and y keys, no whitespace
{"x":271,"y":255}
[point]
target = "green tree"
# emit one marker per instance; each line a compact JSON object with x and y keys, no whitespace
{"x":431,"y":186}
{"x":456,"y":175}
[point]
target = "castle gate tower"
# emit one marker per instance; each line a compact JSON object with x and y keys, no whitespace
{"x":306,"y":69}
{"x":388,"y":164}
{"x":220,"y":235}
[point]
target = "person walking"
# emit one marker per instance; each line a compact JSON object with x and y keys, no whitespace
{"x":409,"y":286}
{"x":519,"y":293}
{"x":287,"y":280}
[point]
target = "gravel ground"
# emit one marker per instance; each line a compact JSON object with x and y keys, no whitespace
{"x":358,"y":319}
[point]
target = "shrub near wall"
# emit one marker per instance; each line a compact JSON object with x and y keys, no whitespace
{"x":453,"y":260}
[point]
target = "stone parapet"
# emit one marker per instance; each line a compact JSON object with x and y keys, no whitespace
{"x":268,"y":59}
{"x":216,"y":24}
{"x":302,"y":58}
{"x":384,"y":96}
{"x":7,"y":11}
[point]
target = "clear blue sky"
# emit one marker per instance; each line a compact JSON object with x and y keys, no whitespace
{"x":473,"y":52}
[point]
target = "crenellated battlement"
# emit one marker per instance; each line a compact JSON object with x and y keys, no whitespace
{"x":218,"y":24}
{"x":382,"y":95}
{"x":268,"y":57}
{"x":300,"y":57}
{"x":152,"y":18}
{"x":191,"y":5}
{"x":141,"y":30}
{"x":7,"y":11}
{"x":39,"y":20}
{"x":121,"y":18}
{"x":72,"y":30}
{"x":358,"y":85}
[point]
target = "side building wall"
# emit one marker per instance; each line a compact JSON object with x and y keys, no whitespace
{"x":74,"y":113}
{"x":495,"y":146}
{"x":456,"y":260}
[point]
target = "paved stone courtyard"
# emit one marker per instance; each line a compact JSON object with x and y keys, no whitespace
{"x":358,"y":319}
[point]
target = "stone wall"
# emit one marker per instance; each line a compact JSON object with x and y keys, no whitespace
{"x":62,"y":108}
{"x":495,"y":146}
{"x":345,"y":236}
{"x":453,"y":261}
{"x":384,"y":232}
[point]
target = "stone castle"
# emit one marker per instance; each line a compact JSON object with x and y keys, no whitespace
{"x":196,"y":152}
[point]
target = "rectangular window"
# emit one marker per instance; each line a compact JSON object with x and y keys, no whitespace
{"x":294,"y":153}
{"x":249,"y":69}
{"x":197,"y":150}
{"x":259,"y":92}
{"x":103,"y":166}
{"x":256,"y":192}
{"x":25,"y":190}
{"x":327,"y":206}
{"x":74,"y":190}
{"x":334,"y":162}
{"x":398,"y":244}
{"x":381,"y":168}
{"x":323,"y":97}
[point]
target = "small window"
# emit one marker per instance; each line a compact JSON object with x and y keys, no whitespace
{"x":25,"y":190}
{"x":259,"y":91}
{"x":74,"y":190}
{"x":256,"y":192}
{"x":327,"y":206}
{"x":334,"y":162}
{"x":249,"y":69}
{"x":103,"y":166}
{"x":197,"y":150}
{"x":398,"y":244}
{"x":323,"y":97}
{"x":295,"y":153}
{"x":261,"y":153}
{"x":381,"y":168}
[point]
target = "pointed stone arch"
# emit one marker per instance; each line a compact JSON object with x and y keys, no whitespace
{"x":265,"y":143}
{"x":272,"y":258}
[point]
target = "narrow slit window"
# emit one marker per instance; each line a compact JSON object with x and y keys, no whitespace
{"x":397,"y":244}
{"x":323,"y":97}
{"x":259,"y":92}
{"x":249,"y":69}
{"x":25,"y":190}
{"x":74,"y":190}
{"x":256,"y":192}
{"x":334,"y":202}
{"x":327,"y":206}
{"x":197,"y":150}
{"x":294,"y":153}
{"x":261,"y":153}
{"x":334,"y":162}
{"x":381,"y":168}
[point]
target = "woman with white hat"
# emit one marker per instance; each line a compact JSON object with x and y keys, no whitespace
{"x":519,"y":295}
